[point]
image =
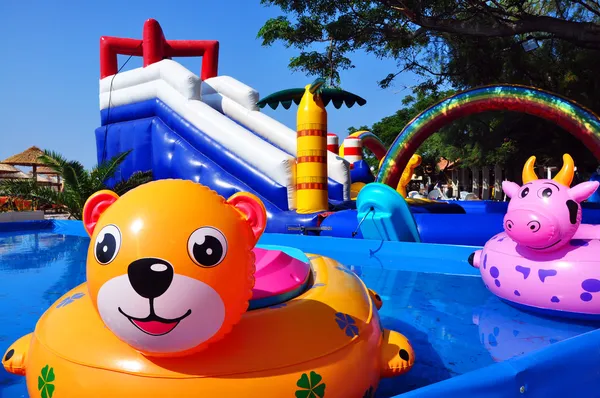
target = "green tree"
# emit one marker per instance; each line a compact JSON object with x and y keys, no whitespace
{"x":78,"y":183}
{"x":417,"y":34}
{"x":459,"y":44}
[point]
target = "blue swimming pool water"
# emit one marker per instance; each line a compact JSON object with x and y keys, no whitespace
{"x":453,"y":322}
{"x":35,"y":270}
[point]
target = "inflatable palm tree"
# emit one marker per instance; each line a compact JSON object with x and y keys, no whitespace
{"x":311,"y":125}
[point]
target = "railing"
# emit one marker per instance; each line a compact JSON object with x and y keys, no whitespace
{"x":153,"y":48}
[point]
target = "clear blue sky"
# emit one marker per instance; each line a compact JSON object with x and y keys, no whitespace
{"x":50,"y":65}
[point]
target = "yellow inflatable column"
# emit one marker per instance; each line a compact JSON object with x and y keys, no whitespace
{"x":311,"y":155}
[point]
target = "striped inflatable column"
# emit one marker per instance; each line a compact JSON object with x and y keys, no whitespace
{"x":333,"y":143}
{"x":311,"y":155}
{"x":353,"y":149}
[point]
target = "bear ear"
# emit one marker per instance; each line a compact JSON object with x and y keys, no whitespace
{"x":253,"y":210}
{"x":95,"y":206}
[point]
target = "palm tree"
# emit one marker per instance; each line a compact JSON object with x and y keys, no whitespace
{"x":311,"y":126}
{"x":78,"y":183}
{"x":327,"y":94}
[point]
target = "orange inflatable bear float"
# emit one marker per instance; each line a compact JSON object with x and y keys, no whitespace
{"x":165,"y":310}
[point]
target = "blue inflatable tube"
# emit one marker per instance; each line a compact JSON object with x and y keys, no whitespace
{"x":417,"y":206}
{"x":385,"y":215}
{"x":459,"y":229}
{"x":452,"y":229}
{"x":341,"y":224}
{"x":361,"y":172}
{"x":480,"y":206}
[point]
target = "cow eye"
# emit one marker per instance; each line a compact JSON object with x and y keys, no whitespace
{"x":545,"y":193}
{"x":524,"y":193}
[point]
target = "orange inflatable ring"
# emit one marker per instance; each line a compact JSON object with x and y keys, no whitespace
{"x":164,"y":311}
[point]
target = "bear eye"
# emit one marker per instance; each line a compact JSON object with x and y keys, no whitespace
{"x":524,"y":192}
{"x":207,"y":246}
{"x":545,"y":192}
{"x":108,"y":243}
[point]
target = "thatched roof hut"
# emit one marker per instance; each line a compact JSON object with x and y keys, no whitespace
{"x":29,"y":157}
{"x":8,"y":169}
{"x":19,"y":175}
{"x":46,"y":170}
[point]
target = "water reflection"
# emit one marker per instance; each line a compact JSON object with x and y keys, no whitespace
{"x":33,"y":250}
{"x":507,"y":332}
{"x":36,"y":268}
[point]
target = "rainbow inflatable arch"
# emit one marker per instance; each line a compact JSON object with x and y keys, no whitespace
{"x":574,"y":118}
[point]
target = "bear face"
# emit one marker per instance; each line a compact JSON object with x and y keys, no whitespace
{"x":170,"y":264}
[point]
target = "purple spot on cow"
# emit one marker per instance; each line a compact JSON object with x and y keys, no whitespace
{"x":586,"y":296}
{"x":494,"y":272}
{"x":501,"y":239}
{"x":492,"y":340}
{"x":544,"y":273}
{"x":524,"y":270}
{"x":484,"y":261}
{"x":517,"y":293}
{"x":497,"y":282}
{"x":555,"y":299}
{"x":515,"y":333}
{"x":579,"y":242}
{"x":591,"y":285}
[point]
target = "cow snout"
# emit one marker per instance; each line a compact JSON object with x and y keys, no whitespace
{"x":530,"y":228}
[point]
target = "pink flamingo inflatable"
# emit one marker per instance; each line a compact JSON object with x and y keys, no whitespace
{"x":545,"y":259}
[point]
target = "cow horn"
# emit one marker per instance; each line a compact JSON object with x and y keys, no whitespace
{"x":528,"y":171}
{"x":565,"y":175}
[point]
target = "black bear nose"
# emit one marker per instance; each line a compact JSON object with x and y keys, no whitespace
{"x":150,"y":277}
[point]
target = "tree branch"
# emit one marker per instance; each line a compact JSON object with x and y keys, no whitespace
{"x":577,"y":32}
{"x":587,"y":6}
{"x":559,"y":9}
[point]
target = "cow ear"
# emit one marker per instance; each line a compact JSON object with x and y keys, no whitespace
{"x":510,"y":188}
{"x":95,"y":206}
{"x":581,"y":192}
{"x":253,"y":211}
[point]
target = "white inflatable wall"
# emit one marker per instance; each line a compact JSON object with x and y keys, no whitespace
{"x":179,"y":89}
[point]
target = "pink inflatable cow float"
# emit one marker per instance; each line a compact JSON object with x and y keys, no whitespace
{"x":545,"y":259}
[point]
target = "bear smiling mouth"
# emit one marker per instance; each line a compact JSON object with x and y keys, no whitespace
{"x":153,"y":324}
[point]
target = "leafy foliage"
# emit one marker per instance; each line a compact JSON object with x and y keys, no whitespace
{"x":79,"y":183}
{"x":459,"y":44}
{"x":419,"y":34}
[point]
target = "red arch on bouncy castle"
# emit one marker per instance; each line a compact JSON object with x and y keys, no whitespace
{"x":574,"y":118}
{"x":153,"y":47}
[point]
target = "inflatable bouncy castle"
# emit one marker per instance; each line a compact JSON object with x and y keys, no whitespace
{"x":209,"y":129}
